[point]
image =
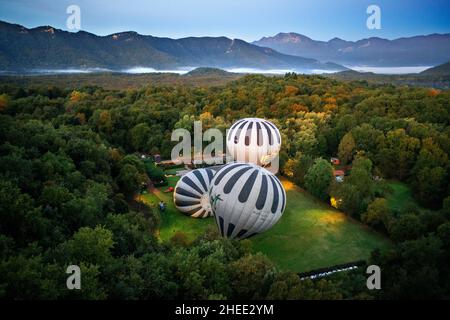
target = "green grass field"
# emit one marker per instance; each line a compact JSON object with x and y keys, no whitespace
{"x":310,"y":234}
{"x":400,"y":195}
{"x":171,"y":219}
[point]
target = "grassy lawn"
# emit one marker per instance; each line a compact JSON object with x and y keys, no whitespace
{"x":171,"y":219}
{"x":312,"y":234}
{"x":173,"y":170}
{"x":309,"y":235}
{"x":400,"y":195}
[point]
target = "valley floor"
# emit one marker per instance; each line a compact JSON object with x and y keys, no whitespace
{"x":310,"y":235}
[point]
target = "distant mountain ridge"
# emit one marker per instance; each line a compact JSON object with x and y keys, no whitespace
{"x":427,"y":50}
{"x":45,"y":47}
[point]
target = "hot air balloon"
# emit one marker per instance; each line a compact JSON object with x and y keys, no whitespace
{"x":246,"y":200}
{"x":191,"y":193}
{"x":253,"y":140}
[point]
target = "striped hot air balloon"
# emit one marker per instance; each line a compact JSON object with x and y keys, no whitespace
{"x":253,"y":140}
{"x":191,"y":193}
{"x":246,"y":199}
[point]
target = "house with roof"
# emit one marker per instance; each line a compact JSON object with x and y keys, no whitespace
{"x":339,"y":175}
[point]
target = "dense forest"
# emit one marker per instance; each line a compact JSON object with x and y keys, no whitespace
{"x":70,"y":171}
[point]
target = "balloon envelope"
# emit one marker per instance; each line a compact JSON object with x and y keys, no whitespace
{"x":246,"y":199}
{"x":253,"y":140}
{"x":191,"y":195}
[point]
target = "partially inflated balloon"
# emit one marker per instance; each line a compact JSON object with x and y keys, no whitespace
{"x":191,"y":195}
{"x":246,"y":199}
{"x":254,"y":140}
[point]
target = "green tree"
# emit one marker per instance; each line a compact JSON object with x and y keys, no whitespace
{"x":139,"y":137}
{"x":179,"y":239}
{"x":29,"y":278}
{"x":397,"y":153}
{"x":132,"y":233}
{"x":366,"y":138}
{"x":93,"y":286}
{"x":159,"y":279}
{"x":92,"y":246}
{"x":20,"y":218}
{"x":318,"y":178}
{"x":154,"y":172}
{"x":406,"y":227}
{"x":446,"y":207}
{"x":443,"y":232}
{"x":250,"y":276}
{"x":129,"y":180}
{"x":301,"y":167}
{"x":412,"y":270}
{"x":377,"y":214}
{"x":357,"y":190}
{"x":430,"y":174}
{"x":347,"y":148}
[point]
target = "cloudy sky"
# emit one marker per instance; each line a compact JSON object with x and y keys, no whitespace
{"x":244,"y":19}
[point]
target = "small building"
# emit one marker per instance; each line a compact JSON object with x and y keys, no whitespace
{"x":339,"y":175}
{"x":335,"y":161}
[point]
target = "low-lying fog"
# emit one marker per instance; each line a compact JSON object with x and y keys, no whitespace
{"x":181,"y":71}
{"x":390,"y":70}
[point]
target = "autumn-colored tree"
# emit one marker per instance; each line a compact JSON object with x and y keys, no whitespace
{"x":290,"y":90}
{"x":4,"y":100}
{"x":347,"y":148}
{"x":104,"y":121}
{"x":377,"y":214}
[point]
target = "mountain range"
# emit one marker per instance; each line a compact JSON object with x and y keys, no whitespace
{"x":47,"y":48}
{"x":23,"y":49}
{"x":427,"y":50}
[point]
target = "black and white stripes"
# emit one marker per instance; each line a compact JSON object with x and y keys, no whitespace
{"x":246,"y":200}
{"x":191,"y":193}
{"x":253,"y":140}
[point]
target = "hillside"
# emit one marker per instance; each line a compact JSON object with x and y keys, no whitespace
{"x":45,"y":48}
{"x":440,"y":70}
{"x":209,"y":72}
{"x":413,"y":80}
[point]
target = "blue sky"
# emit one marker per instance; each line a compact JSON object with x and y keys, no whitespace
{"x":248,"y":20}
